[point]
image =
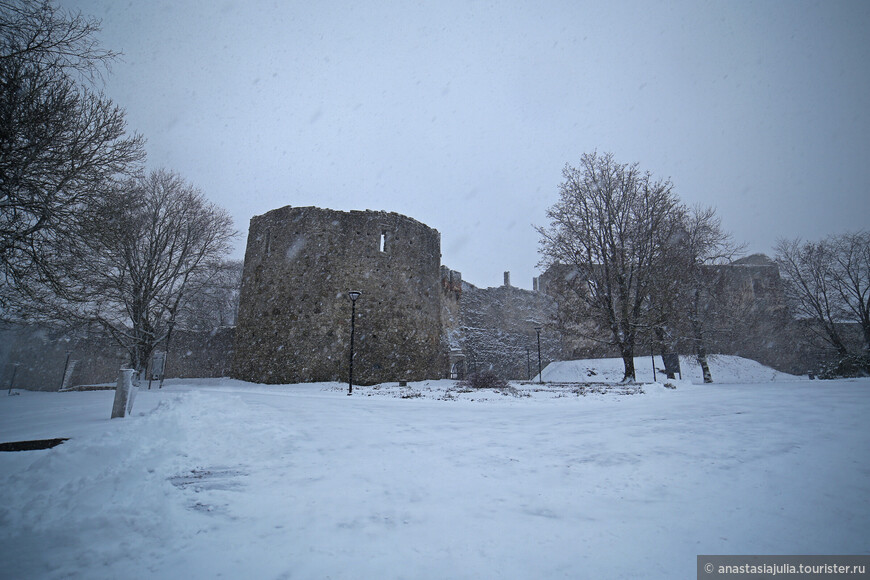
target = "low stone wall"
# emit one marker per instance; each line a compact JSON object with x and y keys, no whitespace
{"x":41,"y":357}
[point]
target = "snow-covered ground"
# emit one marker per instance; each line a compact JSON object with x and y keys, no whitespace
{"x":220,"y":478}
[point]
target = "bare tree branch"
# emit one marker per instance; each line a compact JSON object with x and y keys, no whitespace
{"x":62,"y":143}
{"x":828,"y":284}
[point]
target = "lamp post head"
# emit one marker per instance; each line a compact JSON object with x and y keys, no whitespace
{"x":538,"y":329}
{"x":354,"y":294}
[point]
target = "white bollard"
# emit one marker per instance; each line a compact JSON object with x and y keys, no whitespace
{"x":123,"y":394}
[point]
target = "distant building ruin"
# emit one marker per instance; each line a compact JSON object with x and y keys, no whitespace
{"x":748,"y":317}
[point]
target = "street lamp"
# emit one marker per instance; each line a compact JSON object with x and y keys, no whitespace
{"x":529,"y":363}
{"x":353,"y":294}
{"x":540,"y":373}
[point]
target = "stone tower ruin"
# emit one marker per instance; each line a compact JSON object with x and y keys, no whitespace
{"x":294,"y":312}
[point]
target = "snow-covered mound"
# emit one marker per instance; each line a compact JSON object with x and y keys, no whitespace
{"x":726,"y":369}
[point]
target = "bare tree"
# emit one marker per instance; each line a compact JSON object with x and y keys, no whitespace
{"x":828,"y":283}
{"x":213,"y":299}
{"x":806,"y":268}
{"x":148,"y":245}
{"x":612,"y":225}
{"x":851,"y":277}
{"x":62,"y":143}
{"x":701,"y":247}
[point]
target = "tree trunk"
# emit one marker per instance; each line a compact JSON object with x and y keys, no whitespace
{"x":866,"y":363}
{"x":140,"y":357}
{"x":628,"y":360}
{"x":705,"y":368}
{"x":835,"y":340}
{"x":139,"y":363}
{"x":665,"y":351}
{"x":166,"y":347}
{"x":700,"y":343}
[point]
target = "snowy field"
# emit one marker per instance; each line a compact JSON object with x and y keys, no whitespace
{"x":225,"y":479}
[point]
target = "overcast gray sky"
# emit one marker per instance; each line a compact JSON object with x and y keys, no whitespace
{"x":462,"y":114}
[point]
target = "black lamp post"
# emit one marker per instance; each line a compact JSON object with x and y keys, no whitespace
{"x":529,"y":363}
{"x":540,"y":372}
{"x":354,"y":294}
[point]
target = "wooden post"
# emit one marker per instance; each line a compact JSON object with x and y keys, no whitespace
{"x":12,"y":380}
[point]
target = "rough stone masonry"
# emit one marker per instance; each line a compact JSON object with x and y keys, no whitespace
{"x":294,"y":312}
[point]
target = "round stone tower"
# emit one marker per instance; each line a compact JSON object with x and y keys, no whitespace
{"x":294,"y":310}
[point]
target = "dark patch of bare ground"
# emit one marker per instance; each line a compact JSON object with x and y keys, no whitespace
{"x":32,"y":445}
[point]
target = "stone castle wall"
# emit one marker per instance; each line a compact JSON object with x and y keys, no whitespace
{"x":451,"y":322}
{"x":498,"y":330}
{"x":294,"y":312}
{"x":746,"y":310}
{"x":749,"y":305}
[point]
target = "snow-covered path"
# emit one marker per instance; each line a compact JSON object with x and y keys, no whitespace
{"x":231,"y":480}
